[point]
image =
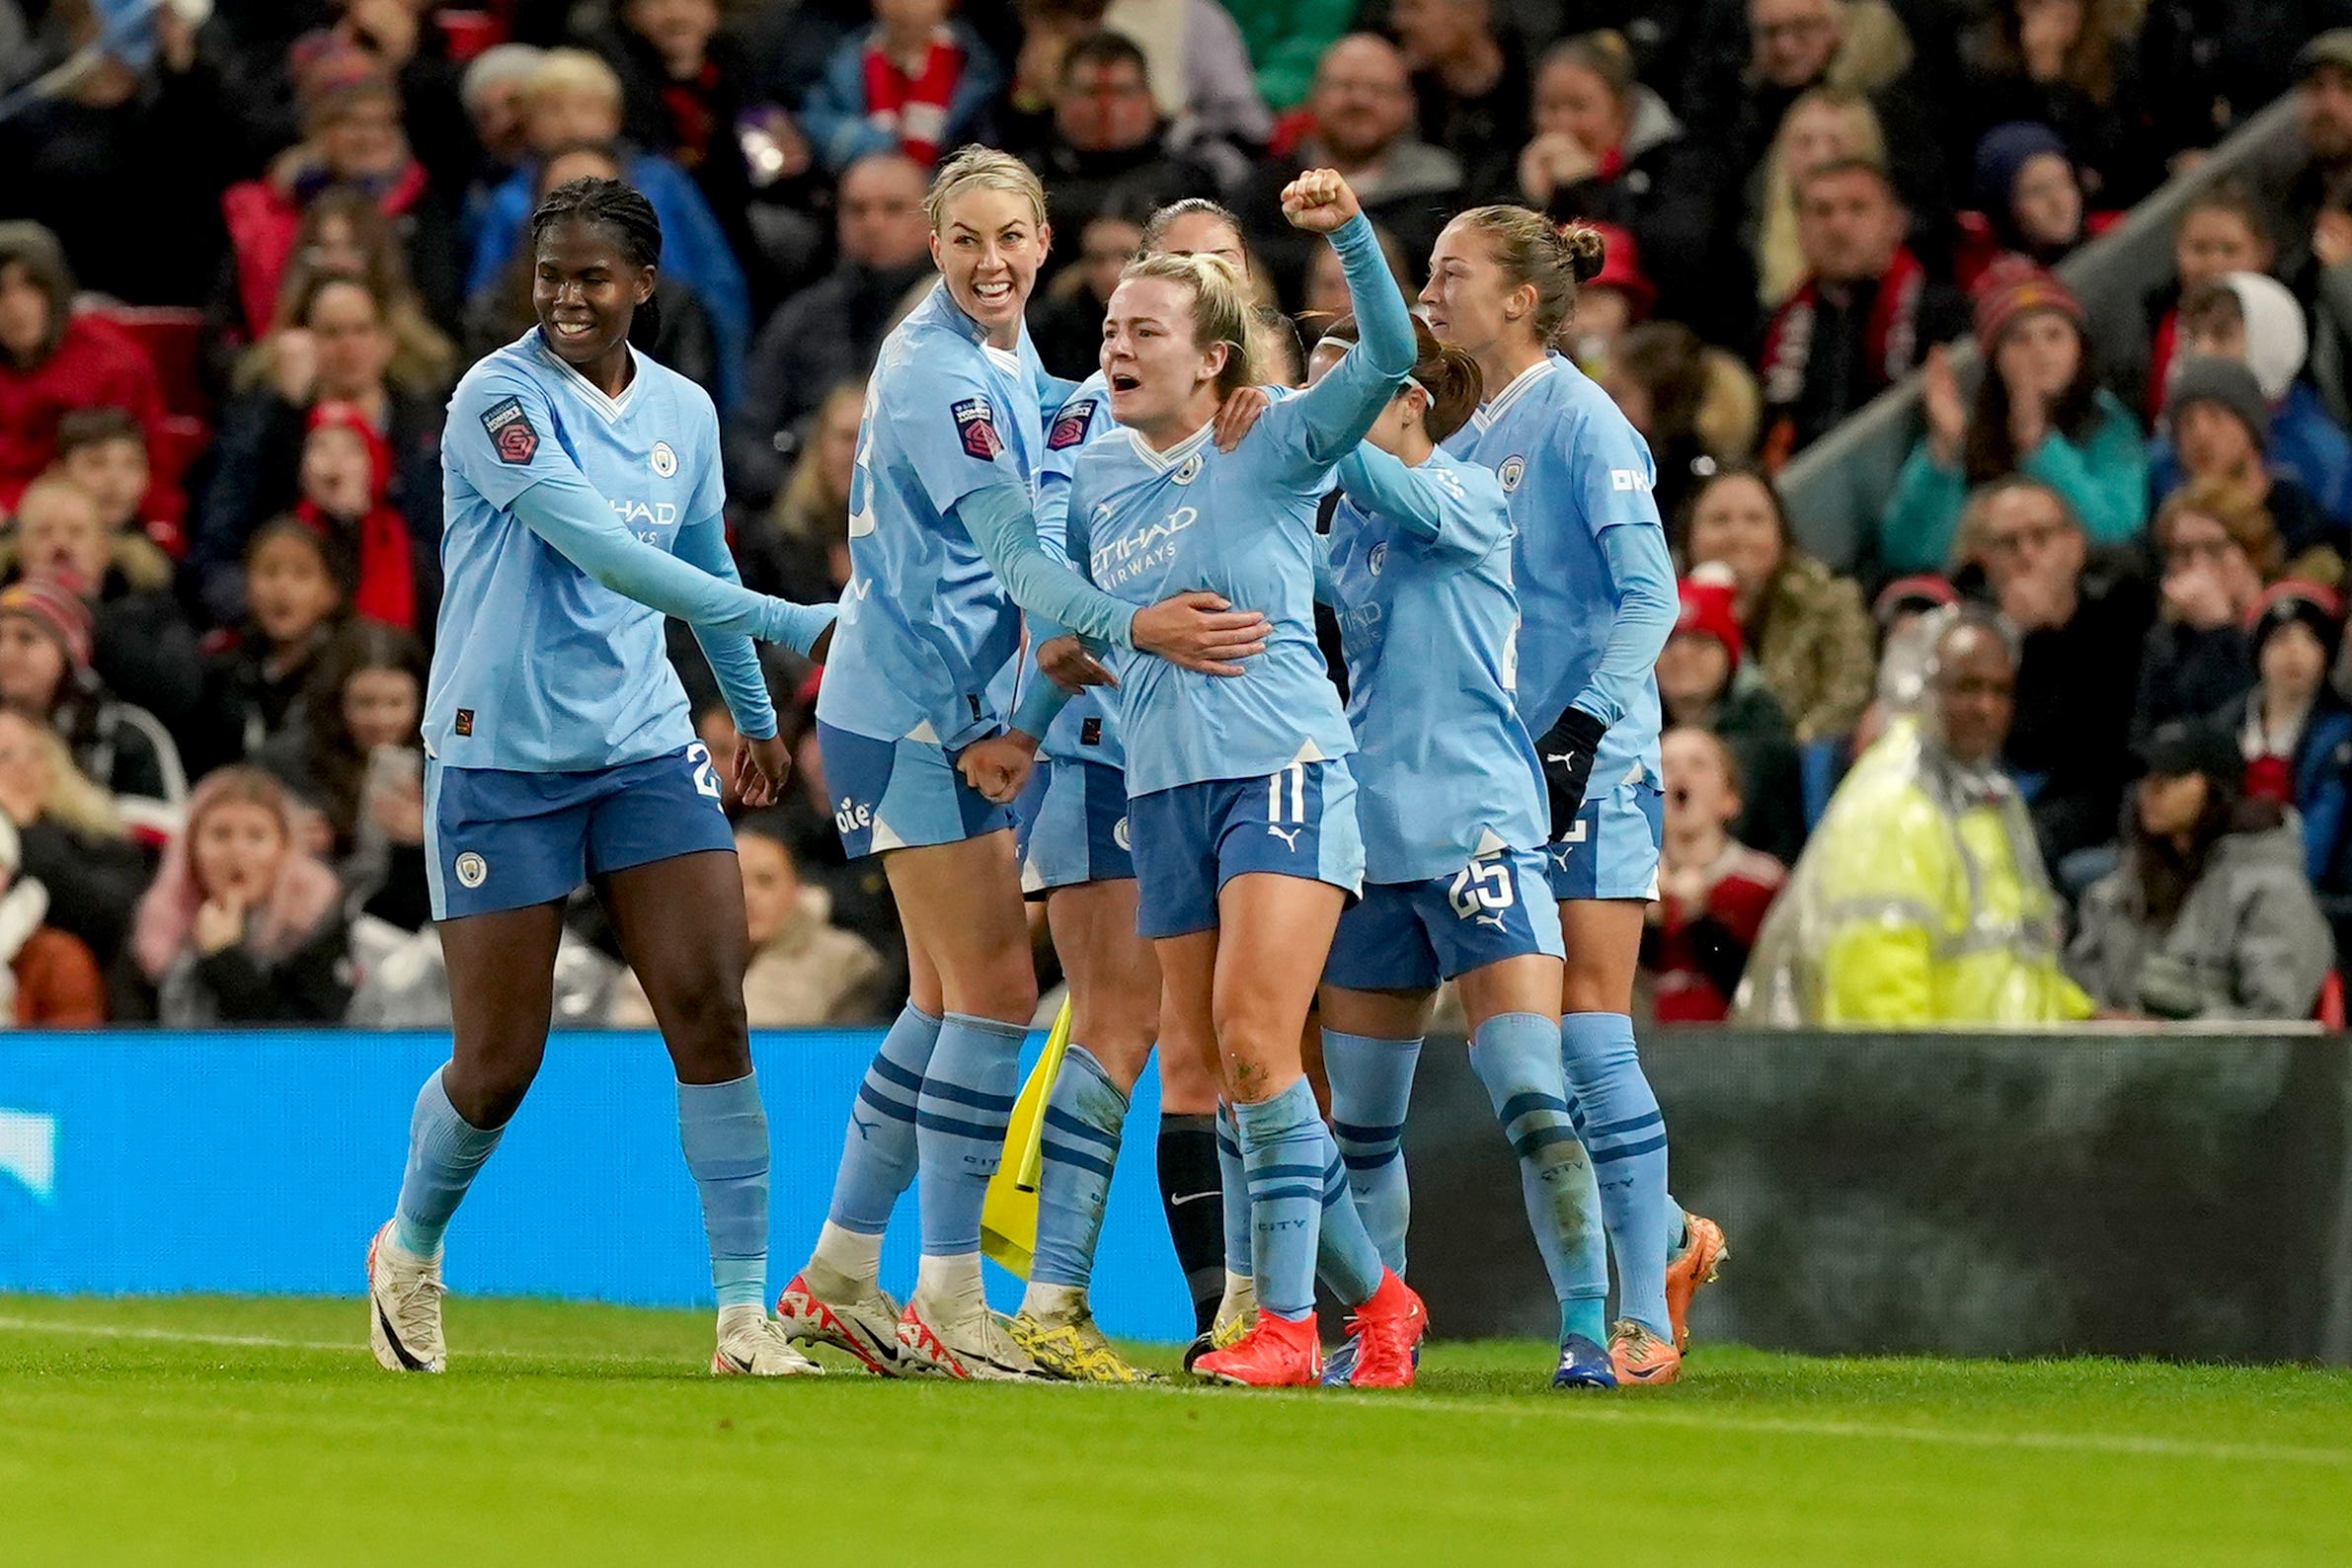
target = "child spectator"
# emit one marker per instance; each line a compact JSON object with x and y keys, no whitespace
{"x":45,"y":670}
{"x":346,"y":470}
{"x":2294,"y":731}
{"x":52,"y":361}
{"x":70,"y":838}
{"x":242,"y":926}
{"x":48,"y":981}
{"x":141,"y":648}
{"x":352,"y":751}
{"x":804,"y":971}
{"x":1713,"y":889}
{"x":2039,"y":410}
{"x":1699,"y":686}
{"x":104,"y":451}
{"x":295,"y":592}
{"x":2030,"y":197}
{"x":2216,"y":552}
{"x":2210,"y":915}
{"x":2222,"y":231}
{"x":1610,"y":303}
{"x":2216,"y":425}
{"x":915,"y":81}
{"x":2253,"y":319}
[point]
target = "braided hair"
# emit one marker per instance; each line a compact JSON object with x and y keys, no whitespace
{"x":624,"y":212}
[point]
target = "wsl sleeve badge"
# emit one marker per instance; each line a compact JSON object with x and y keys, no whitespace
{"x":510,"y":430}
{"x":1070,"y":426}
{"x":976,"y":428}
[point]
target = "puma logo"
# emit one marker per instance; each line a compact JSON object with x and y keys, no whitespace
{"x":1494,"y":920}
{"x":1289,"y":836}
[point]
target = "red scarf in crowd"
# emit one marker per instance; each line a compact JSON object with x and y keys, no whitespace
{"x":2160,"y":362}
{"x":263,"y":220}
{"x":691,"y":123}
{"x":387,"y":588}
{"x":1890,"y":336}
{"x":913,"y":107}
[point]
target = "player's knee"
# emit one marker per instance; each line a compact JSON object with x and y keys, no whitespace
{"x":706,"y":1027}
{"x":1005,"y":993}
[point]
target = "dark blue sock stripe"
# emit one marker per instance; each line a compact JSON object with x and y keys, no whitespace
{"x":1631,"y":1124}
{"x":978,"y":1099}
{"x":1534,"y":1142}
{"x":1611,"y":1156}
{"x":1313,"y":1195}
{"x":1226,"y":1145}
{"x":1066,"y":1155}
{"x":932,"y":1120}
{"x":1283,"y":1172}
{"x":898,"y":1110}
{"x":1063,"y":1122}
{"x":1520,"y":1105}
{"x":1372,"y":1161}
{"x":891,"y":1072}
{"x":1360,"y":1133}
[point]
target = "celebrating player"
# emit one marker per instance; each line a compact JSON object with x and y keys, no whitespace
{"x":1074,"y":852}
{"x":941,"y":527}
{"x":1596,"y":586}
{"x":583,"y":505}
{"x":1241,"y":799}
{"x":1454,"y":825}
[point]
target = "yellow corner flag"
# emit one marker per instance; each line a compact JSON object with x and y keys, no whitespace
{"x":1008,"y":1218}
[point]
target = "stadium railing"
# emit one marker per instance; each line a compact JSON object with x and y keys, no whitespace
{"x":2109,"y":1190}
{"x":1835,"y":488}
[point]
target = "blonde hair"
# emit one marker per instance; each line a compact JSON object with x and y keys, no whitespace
{"x":574,"y":72}
{"x":73,"y":801}
{"x":1221,"y":309}
{"x":803,"y":499}
{"x":1779,"y":259}
{"x":1530,"y":249}
{"x":983,"y":169}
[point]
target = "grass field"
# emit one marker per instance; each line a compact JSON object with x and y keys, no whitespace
{"x":181,"y":1430}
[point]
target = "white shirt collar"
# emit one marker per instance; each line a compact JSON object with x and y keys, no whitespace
{"x":610,"y":407}
{"x":1161,"y":462}
{"x":1493,"y":407}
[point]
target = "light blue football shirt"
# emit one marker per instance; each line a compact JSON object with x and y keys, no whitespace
{"x":1083,"y":417}
{"x":927,"y":634}
{"x":1572,"y":468}
{"x":1421,"y":581}
{"x":1145,"y":526}
{"x":538,"y":666}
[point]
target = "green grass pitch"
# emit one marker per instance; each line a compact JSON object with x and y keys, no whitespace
{"x":203,"y":1429}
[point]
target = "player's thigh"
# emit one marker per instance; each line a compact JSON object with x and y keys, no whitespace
{"x":960,"y":905}
{"x":1602,"y":937}
{"x":501,"y":993}
{"x":1529,"y":984}
{"x":1377,"y":1014}
{"x":1113,"y":974}
{"x":1188,"y":995}
{"x":681,"y":927}
{"x":1273,"y":933}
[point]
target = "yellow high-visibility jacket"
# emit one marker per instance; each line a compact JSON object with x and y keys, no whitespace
{"x":1919,"y":903}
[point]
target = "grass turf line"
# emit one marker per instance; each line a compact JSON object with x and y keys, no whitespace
{"x":591,"y":1435}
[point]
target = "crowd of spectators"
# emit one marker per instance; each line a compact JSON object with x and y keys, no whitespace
{"x":2090,"y":656}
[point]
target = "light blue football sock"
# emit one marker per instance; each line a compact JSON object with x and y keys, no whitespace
{"x":958,"y":1126}
{"x":1287,"y":1151}
{"x":1516,"y":1057}
{"x":723,"y":1129}
{"x":877,"y":1152}
{"x":1079,"y":1146}
{"x":1346,"y":1258}
{"x":1372,"y":1085}
{"x":446,"y":1153}
{"x":1626,"y":1138}
{"x":1235,"y":1179}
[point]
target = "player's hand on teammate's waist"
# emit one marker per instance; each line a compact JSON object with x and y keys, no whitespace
{"x":1200,"y":631}
{"x":762,"y":768}
{"x":998,"y":767}
{"x":1066,"y":662}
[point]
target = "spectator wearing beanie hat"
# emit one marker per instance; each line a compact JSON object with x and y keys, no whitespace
{"x":1701,"y":683}
{"x":2039,"y":410}
{"x":2294,"y":731}
{"x":45,"y":634}
{"x":2252,"y":318}
{"x":2029,"y":198}
{"x":2216,"y":430}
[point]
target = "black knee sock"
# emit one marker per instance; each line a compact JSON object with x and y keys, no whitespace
{"x":1193,"y":1193}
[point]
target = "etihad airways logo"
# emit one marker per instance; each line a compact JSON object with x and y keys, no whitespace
{"x":660,"y":514}
{"x":1152,"y":544}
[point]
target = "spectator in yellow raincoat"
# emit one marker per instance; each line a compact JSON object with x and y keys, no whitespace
{"x":1921,"y":900}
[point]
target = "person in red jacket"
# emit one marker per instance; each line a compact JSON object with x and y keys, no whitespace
{"x":52,"y":361}
{"x":1713,"y":889}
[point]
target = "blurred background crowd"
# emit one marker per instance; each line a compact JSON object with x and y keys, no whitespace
{"x":2070,"y":736}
